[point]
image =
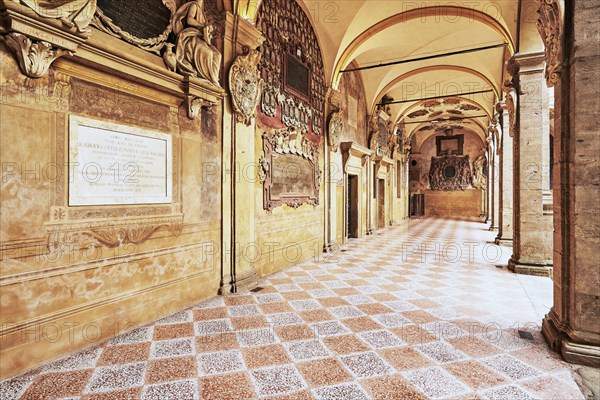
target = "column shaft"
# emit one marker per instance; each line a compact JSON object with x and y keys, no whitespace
{"x":532,"y":245}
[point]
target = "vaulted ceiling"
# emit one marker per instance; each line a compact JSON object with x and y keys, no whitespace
{"x":413,"y":41}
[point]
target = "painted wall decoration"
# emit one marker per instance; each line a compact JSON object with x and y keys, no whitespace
{"x":292,"y":68}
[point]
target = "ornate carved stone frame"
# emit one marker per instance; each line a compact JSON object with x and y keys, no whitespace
{"x":294,"y":143}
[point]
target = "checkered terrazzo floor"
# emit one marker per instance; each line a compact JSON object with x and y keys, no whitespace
{"x":413,"y":312}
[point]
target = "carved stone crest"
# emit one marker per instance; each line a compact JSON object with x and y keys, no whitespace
{"x":245,"y":85}
{"x":336,"y":128}
{"x":550,"y":26}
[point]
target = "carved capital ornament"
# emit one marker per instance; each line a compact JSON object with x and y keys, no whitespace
{"x":512,"y":103}
{"x":550,"y":27}
{"x":336,"y":128}
{"x":245,"y":85}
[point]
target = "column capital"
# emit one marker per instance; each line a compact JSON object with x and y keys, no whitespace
{"x":527,"y":63}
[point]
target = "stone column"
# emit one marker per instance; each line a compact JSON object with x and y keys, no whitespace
{"x":571,"y":327}
{"x":505,"y":164}
{"x":532,"y":251}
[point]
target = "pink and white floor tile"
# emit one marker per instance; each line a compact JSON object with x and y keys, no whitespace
{"x":414,"y":312}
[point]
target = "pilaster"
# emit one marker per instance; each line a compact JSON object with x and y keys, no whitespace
{"x":532,"y":247}
{"x":239,"y":176}
{"x":571,"y":326}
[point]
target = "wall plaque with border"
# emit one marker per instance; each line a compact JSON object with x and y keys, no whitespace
{"x":289,"y":170}
{"x":450,"y":145}
{"x":113,"y":164}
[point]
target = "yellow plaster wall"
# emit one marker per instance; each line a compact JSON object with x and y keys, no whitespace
{"x":86,"y":292}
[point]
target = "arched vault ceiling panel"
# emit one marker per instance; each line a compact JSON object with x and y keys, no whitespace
{"x":439,"y":115}
{"x":442,"y":82}
{"x":417,"y":38}
{"x":486,"y":70}
{"x":446,"y":108}
{"x":340,"y":23}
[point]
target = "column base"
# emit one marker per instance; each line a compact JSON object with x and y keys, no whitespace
{"x":542,"y":269}
{"x":559,"y":341}
{"x":504,"y":241}
{"x":332,"y":247}
{"x":236,"y":285}
{"x":493,"y":228}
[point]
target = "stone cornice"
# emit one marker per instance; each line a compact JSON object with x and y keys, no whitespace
{"x":529,"y":63}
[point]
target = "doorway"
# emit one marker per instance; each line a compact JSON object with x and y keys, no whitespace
{"x":381,"y":203}
{"x":352,"y":207}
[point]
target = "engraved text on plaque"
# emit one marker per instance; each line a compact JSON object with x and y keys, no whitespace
{"x":116,"y":164}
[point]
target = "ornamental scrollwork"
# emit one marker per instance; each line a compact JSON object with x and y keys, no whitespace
{"x":263,"y":170}
{"x":34,"y":56}
{"x":245,"y":85}
{"x":195,"y":104}
{"x":110,"y":234}
{"x":550,"y":27}
{"x":448,"y":173}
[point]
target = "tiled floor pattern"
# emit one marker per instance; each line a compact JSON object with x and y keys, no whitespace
{"x":375,"y":321}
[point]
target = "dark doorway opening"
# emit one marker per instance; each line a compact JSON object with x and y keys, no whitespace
{"x":381,"y":203}
{"x":352,"y":209}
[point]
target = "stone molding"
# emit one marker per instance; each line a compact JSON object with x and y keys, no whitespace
{"x":351,"y":149}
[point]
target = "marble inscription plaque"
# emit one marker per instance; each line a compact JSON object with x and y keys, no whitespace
{"x":143,"y":19}
{"x":113,"y":164}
